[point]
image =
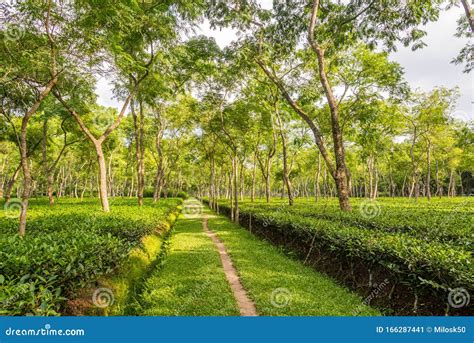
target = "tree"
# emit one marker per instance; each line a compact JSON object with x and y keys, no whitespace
{"x":275,"y":34}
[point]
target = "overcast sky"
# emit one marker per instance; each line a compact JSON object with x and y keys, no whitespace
{"x":424,"y":69}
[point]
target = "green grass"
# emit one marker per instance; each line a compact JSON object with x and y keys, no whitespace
{"x":443,"y":220}
{"x":69,"y":246}
{"x":126,"y":283}
{"x":279,"y":285}
{"x":191,"y":281}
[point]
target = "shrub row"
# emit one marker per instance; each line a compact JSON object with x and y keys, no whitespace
{"x":424,"y":267}
{"x":430,"y":224}
{"x":67,"y":247}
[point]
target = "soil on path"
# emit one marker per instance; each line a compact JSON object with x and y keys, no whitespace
{"x":246,"y":305}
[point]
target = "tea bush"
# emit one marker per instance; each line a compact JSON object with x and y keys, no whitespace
{"x":68,"y":246}
{"x":437,"y":257}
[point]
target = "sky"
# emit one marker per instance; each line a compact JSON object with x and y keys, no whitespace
{"x":424,"y":69}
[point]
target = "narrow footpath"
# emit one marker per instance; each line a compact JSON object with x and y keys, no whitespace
{"x":213,"y":267}
{"x":246,"y":305}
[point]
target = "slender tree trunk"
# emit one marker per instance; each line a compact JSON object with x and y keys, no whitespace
{"x":236,"y":189}
{"x":371,"y":177}
{"x":11,"y":183}
{"x":212,"y":192}
{"x":452,"y":183}
{"x":159,"y":168}
{"x":413,"y":164}
{"x":340,"y":176}
{"x":242,"y":181}
{"x":286,"y":171}
{"x":325,"y":183}
{"x":318,"y":174}
{"x":267,"y":182}
{"x":428,"y":171}
{"x":254,"y":177}
{"x":376,"y":185}
{"x":102,"y":178}
{"x":24,"y":154}
{"x":231,"y":189}
{"x":138,"y":128}
{"x":50,"y":181}
{"x":468,"y":11}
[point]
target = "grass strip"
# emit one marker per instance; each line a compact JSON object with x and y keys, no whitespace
{"x":279,"y":285}
{"x":129,"y":281}
{"x":191,"y":282}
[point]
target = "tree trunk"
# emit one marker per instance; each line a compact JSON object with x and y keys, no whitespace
{"x":468,"y":11}
{"x":452,"y":184}
{"x":24,"y":154}
{"x":267,"y":182}
{"x":159,"y":168}
{"x":231,"y":190}
{"x":236,"y":189}
{"x":428,"y":171}
{"x":138,"y":131}
{"x":50,"y":181}
{"x":317,"y":192}
{"x":371,"y":177}
{"x":414,"y":180}
{"x":254,"y":177}
{"x":286,"y":170}
{"x":340,"y":176}
{"x":11,"y":183}
{"x":242,"y":181}
{"x":376,"y":185}
{"x":212,"y":192}
{"x":102,"y":178}
{"x":438,"y":188}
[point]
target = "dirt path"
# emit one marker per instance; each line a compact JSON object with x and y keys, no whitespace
{"x":246,"y":305}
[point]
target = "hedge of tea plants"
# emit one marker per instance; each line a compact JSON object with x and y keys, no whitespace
{"x":428,"y":250}
{"x":68,"y":246}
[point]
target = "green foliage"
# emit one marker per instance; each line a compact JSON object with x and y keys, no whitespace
{"x":191,"y":280}
{"x":69,"y":249}
{"x":407,"y":245}
{"x":264,"y":269}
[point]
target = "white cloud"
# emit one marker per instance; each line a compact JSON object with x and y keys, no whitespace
{"x":431,"y":66}
{"x":424,"y":69}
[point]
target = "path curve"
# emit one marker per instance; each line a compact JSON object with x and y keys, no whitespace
{"x":246,"y":305}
